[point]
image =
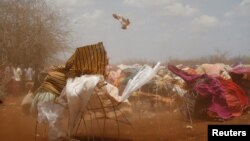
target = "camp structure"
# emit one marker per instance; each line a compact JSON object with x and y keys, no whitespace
{"x":80,"y":87}
{"x":216,"y":97}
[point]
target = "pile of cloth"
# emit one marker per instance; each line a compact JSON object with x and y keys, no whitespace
{"x":216,"y":97}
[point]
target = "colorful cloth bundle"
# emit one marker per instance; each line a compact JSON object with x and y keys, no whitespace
{"x":219,"y":97}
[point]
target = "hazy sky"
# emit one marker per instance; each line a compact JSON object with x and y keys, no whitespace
{"x":160,"y":29}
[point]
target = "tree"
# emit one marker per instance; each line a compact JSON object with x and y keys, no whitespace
{"x":31,"y":32}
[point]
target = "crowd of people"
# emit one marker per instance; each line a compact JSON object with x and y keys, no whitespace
{"x":17,"y":79}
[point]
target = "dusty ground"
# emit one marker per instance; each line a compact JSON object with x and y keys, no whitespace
{"x":148,"y":124}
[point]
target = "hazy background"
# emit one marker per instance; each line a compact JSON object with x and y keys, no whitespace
{"x":160,"y":29}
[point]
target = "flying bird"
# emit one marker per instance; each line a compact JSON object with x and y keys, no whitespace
{"x":124,"y":21}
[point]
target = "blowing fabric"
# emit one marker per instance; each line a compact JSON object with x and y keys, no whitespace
{"x":27,"y":102}
{"x":78,"y":92}
{"x":42,"y":96}
{"x":184,"y":75}
{"x":236,"y":99}
{"x":221,"y":98}
{"x":144,"y":75}
{"x":52,"y":114}
{"x":211,"y":92}
{"x":90,"y":59}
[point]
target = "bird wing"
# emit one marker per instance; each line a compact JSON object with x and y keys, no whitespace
{"x":116,"y":16}
{"x":128,"y":22}
{"x":124,"y":21}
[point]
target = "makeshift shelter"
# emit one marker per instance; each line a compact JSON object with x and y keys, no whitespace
{"x":216,"y":97}
{"x":90,"y":59}
{"x":73,"y":86}
{"x":85,"y":67}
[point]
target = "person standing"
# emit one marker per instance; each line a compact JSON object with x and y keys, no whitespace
{"x":29,"y":74}
{"x":17,"y":76}
{"x":28,"y":77}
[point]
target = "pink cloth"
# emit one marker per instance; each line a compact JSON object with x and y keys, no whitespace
{"x":240,"y":70}
{"x":214,"y":94}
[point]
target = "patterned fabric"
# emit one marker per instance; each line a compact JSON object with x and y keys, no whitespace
{"x":54,"y":82}
{"x":90,"y":59}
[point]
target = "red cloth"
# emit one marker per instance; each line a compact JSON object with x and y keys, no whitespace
{"x":189,"y":78}
{"x":236,"y":98}
{"x":222,"y":98}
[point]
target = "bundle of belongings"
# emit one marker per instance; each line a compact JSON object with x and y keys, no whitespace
{"x":215,"y":70}
{"x":216,"y":97}
{"x":71,"y":87}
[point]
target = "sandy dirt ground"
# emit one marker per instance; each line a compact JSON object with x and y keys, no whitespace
{"x":147,"y":124}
